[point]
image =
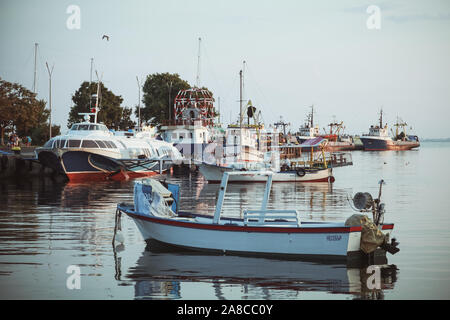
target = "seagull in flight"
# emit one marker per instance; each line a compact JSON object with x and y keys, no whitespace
{"x":105,"y":36}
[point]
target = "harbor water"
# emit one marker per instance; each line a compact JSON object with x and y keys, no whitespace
{"x":48,"y":228}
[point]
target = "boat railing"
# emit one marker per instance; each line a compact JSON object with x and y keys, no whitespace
{"x":287,"y":218}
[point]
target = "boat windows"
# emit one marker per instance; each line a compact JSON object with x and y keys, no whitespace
{"x":89,"y":144}
{"x":83,"y":127}
{"x":73,"y":143}
{"x":60,"y":143}
{"x":93,"y":127}
{"x":113,"y":145}
{"x":101,"y":144}
{"x":107,"y":144}
{"x":74,"y":127}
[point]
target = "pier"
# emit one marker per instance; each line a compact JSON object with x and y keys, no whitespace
{"x":22,"y":164}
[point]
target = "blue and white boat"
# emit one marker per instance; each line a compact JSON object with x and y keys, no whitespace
{"x":91,"y":151}
{"x":274,"y":233}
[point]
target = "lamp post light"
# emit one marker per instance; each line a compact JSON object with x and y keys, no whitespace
{"x":50,"y":96}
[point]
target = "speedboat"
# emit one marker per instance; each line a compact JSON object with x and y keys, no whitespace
{"x":266,"y":232}
{"x":91,"y":151}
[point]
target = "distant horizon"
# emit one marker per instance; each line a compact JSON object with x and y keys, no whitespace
{"x":332,"y":55}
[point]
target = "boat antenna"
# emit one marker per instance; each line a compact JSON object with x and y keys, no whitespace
{"x":198,"y":63}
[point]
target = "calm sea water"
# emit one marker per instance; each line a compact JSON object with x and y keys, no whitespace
{"x":45,"y":227}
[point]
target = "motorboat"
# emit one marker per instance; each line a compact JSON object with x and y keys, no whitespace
{"x":263,"y":232}
{"x":91,"y":151}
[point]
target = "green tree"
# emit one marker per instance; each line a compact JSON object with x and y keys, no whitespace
{"x":110,"y":112}
{"x":125,"y":121}
{"x":21,"y":112}
{"x":156,"y":91}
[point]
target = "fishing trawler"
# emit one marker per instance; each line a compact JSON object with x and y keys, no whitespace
{"x":89,"y":151}
{"x":308,"y":130}
{"x":336,"y":140}
{"x":378,"y":138}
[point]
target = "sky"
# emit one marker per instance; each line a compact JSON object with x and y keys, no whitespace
{"x":335,"y":55}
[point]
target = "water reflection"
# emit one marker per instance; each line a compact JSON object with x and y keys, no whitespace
{"x":313,"y":200}
{"x":45,"y":225}
{"x":160,"y":275}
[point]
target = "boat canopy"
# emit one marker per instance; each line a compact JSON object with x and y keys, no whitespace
{"x":314,"y":142}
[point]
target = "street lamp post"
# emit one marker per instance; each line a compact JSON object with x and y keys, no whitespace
{"x":169,"y":85}
{"x":50,"y":96}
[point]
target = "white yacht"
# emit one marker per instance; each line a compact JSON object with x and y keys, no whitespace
{"x":91,"y":151}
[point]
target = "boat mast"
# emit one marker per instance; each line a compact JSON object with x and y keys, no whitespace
{"x":240,"y":114}
{"x":198,"y":64}
{"x":98,"y":95}
{"x":139,"y":103}
{"x":381,"y":118}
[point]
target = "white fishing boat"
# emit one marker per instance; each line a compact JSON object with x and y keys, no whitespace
{"x":89,"y":151}
{"x":213,"y":173}
{"x":260,"y":232}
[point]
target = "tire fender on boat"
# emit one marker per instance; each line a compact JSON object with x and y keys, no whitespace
{"x":301,"y":172}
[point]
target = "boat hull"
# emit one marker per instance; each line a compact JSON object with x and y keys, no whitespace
{"x":339,"y":146}
{"x":82,"y":166}
{"x":214,"y":174}
{"x":335,"y":242}
{"x":316,"y":241}
{"x":381,"y":144}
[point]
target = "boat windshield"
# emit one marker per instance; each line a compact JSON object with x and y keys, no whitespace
{"x":90,"y":127}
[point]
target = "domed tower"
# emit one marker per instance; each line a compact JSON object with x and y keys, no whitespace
{"x":193,"y":105}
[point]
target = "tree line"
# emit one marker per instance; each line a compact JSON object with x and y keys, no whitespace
{"x":158,"y":94}
{"x":21,"y":112}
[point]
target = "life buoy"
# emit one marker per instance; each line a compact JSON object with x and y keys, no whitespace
{"x":300,"y":172}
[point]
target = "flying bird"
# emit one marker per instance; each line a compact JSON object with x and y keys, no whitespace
{"x":105,"y":36}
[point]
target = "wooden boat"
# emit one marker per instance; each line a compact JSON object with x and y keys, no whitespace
{"x":214,"y":173}
{"x":273,"y":233}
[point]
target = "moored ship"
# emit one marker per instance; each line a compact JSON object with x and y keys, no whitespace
{"x":378,"y":138}
{"x":89,"y":151}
